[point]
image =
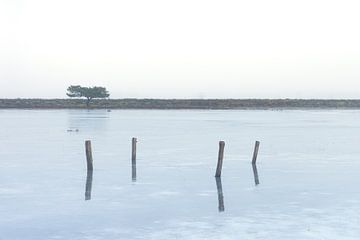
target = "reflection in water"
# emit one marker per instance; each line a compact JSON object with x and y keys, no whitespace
{"x":256,"y":176}
{"x":220,"y":194}
{"x":80,"y":120}
{"x":133,"y":172}
{"x":89,"y":178}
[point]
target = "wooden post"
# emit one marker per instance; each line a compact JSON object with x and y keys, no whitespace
{"x":133,"y":159}
{"x":133,"y":151}
{"x":220,"y":159}
{"x":256,"y":150}
{"x":89,"y":159}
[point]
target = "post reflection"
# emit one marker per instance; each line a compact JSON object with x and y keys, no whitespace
{"x":220,"y":194}
{"x":89,"y":178}
{"x":133,"y":172}
{"x":256,"y":176}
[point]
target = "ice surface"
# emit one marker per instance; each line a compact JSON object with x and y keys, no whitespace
{"x":308,"y":168}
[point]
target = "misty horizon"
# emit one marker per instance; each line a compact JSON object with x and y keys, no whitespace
{"x":193,"y":49}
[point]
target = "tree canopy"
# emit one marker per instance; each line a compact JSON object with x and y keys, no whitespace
{"x":88,"y":92}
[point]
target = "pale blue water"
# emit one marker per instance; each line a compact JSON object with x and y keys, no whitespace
{"x":308,"y":165}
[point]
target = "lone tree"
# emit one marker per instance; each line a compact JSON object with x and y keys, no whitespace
{"x":88,"y":92}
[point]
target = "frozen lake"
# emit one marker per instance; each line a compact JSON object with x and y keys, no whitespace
{"x":308,"y":167}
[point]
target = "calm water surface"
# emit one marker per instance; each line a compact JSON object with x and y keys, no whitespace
{"x":308,"y":169}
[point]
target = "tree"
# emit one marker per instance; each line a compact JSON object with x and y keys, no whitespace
{"x":88,"y":92}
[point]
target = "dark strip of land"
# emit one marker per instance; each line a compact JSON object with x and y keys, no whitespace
{"x":180,"y":104}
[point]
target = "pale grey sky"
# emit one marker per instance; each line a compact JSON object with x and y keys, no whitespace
{"x":181,"y":49}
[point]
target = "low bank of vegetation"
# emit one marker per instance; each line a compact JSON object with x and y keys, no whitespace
{"x":179,"y":104}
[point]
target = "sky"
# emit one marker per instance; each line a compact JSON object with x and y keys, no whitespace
{"x":181,"y":49}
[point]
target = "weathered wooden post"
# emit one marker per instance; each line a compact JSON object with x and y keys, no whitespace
{"x":133,"y":151}
{"x":220,"y":159}
{"x":256,"y":150}
{"x":89,"y":159}
{"x":133,"y":159}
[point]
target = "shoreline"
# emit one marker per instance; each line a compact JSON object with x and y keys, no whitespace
{"x":185,"y":104}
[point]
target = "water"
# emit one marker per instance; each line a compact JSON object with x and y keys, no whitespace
{"x":308,"y":169}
